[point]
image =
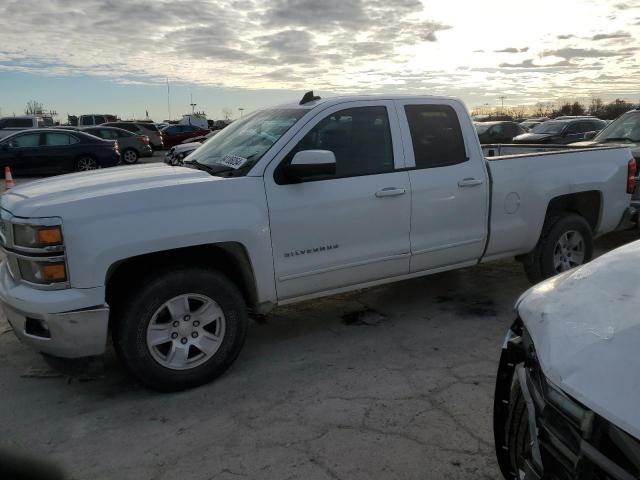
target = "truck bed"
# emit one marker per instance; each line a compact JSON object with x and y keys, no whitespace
{"x":534,"y":175}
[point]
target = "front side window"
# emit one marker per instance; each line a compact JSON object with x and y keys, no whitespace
{"x":360,"y":139}
{"x":24,"y":141}
{"x":18,"y":123}
{"x":57,"y":139}
{"x":86,"y":120}
{"x":550,"y":127}
{"x":99,"y":119}
{"x":436,"y":135}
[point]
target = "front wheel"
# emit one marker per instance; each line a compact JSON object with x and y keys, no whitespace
{"x":129,"y":156}
{"x":181,"y":329}
{"x":566,"y":242}
{"x":85,"y":163}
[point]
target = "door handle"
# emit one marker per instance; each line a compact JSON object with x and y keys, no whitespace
{"x":390,"y":192}
{"x":470,"y":182}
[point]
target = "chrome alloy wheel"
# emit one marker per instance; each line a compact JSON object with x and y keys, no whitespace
{"x":569,"y":251}
{"x":186,"y":331}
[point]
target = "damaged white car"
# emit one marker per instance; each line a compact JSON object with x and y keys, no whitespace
{"x":567,"y":402}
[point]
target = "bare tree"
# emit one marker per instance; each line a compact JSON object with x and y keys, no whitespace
{"x":33,"y":107}
{"x":226,"y":113}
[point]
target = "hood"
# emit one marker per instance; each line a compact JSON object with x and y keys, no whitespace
{"x":532,"y":137}
{"x":585,"y":325}
{"x":43,"y":197}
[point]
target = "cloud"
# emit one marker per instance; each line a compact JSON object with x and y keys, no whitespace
{"x":512,"y":50}
{"x":530,"y":65}
{"x":608,"y":36}
{"x":570,"y":52}
{"x":565,"y":37}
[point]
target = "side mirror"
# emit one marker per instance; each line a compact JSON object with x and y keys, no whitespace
{"x":590,"y":135}
{"x":311,"y":163}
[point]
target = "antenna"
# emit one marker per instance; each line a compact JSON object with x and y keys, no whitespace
{"x":309,"y":97}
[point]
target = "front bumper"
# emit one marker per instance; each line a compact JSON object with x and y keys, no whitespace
{"x":67,"y":323}
{"x":80,"y":333}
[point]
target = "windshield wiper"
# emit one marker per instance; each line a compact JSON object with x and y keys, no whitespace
{"x":618,"y":139}
{"x":206,"y":168}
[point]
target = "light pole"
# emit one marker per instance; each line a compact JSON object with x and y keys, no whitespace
{"x":502,"y":97}
{"x":241,"y":110}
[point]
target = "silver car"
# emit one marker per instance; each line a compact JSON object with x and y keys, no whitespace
{"x":141,"y":128}
{"x":132,"y":146}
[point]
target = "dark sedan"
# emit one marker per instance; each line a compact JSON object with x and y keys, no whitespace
{"x":175,"y":134}
{"x":49,"y":151}
{"x":561,"y":131}
{"x":498,"y":132}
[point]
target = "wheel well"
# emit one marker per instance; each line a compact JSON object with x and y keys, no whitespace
{"x":586,"y":204}
{"x":131,"y":148}
{"x":230,"y":258}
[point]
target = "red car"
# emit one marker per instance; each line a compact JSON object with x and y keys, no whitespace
{"x":175,"y":134}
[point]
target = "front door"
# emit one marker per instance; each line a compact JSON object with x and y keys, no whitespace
{"x":449,"y":185}
{"x":349,"y":228}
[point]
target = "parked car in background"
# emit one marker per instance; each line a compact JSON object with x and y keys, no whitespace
{"x":175,"y":134}
{"x":498,"y":132}
{"x":141,"y":128}
{"x":561,"y":131}
{"x":132,"y":146}
{"x":624,"y":130}
{"x":529,"y":124}
{"x":201,"y":138}
{"x":567,"y":396}
{"x":178,"y":153}
{"x":49,"y":150}
{"x":290,"y":203}
{"x":10,"y":125}
{"x":95,"y":119}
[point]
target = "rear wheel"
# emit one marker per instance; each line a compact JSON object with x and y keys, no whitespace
{"x":566,"y":242}
{"x":85,"y":163}
{"x":130,"y":156}
{"x":181,"y":329}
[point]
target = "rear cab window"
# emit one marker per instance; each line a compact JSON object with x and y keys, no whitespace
{"x":436,"y":136}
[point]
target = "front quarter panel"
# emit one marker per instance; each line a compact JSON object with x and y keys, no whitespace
{"x":100,"y":232}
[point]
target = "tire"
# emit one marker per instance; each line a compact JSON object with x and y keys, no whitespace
{"x":560,"y":229}
{"x":146,"y":313}
{"x":85,"y":163}
{"x":130,"y":156}
{"x":517,"y":430}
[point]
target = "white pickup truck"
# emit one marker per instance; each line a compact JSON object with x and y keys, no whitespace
{"x":286,"y":204}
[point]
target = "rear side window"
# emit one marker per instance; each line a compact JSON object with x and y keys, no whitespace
{"x":436,"y":135}
{"x":56,"y":139}
{"x":99,"y":119}
{"x":86,"y":120}
{"x":149,"y":126}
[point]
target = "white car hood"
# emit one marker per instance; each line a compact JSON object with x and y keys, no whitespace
{"x":42,"y":197}
{"x":585,"y":325}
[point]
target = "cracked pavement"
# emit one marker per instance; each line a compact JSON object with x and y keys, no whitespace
{"x":407,"y":395}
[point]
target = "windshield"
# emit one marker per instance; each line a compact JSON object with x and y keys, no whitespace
{"x":482,"y":127}
{"x":625,"y":127}
{"x":549,"y":127}
{"x":245,"y":141}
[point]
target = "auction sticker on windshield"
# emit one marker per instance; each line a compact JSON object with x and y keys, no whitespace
{"x":233,"y":161}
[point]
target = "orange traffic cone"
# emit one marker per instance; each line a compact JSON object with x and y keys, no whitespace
{"x":8,"y":179}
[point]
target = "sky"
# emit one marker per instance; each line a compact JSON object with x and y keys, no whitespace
{"x":115,"y":56}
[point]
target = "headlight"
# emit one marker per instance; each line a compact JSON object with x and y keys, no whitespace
{"x":30,"y":236}
{"x":42,"y":272}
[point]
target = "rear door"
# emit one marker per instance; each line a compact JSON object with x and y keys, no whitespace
{"x":351,"y":227}
{"x":449,"y":184}
{"x":59,"y":152}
